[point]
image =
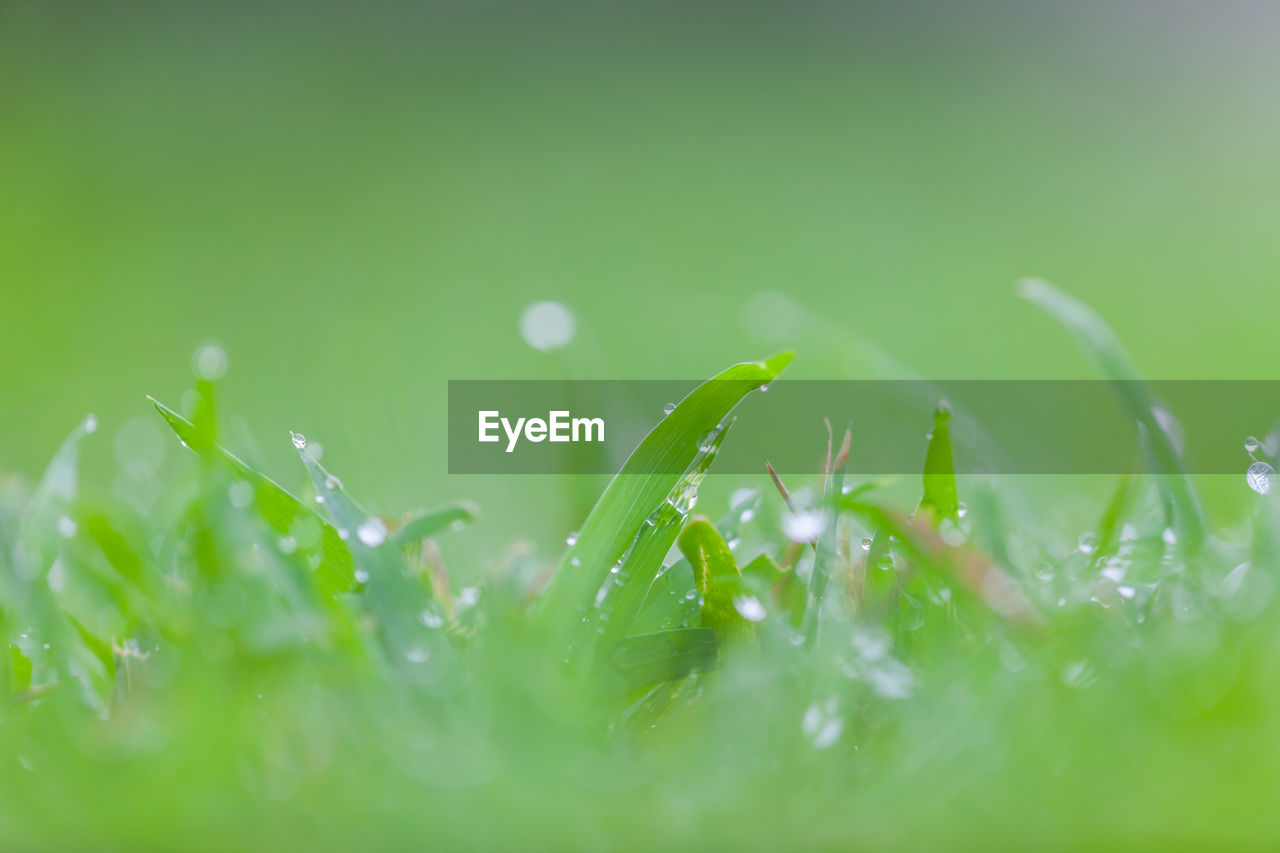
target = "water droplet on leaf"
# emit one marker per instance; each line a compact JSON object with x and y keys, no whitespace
{"x":1261,"y":478}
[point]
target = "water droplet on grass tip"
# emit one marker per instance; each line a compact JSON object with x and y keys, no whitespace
{"x":299,"y":440}
{"x":547,"y":326}
{"x":91,"y":424}
{"x":372,"y":532}
{"x":1261,"y":477}
{"x":668,"y":408}
{"x":571,"y":539}
{"x":1088,"y":543}
{"x":1251,"y":445}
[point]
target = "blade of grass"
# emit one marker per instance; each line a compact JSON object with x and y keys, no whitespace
{"x":647,"y":659}
{"x":281,"y":510}
{"x":428,"y":524}
{"x":1102,"y":346}
{"x":648,"y":478}
{"x":716,"y":574}
{"x":397,"y":601}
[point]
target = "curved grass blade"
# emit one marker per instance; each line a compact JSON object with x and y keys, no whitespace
{"x":398,"y":601}
{"x":428,"y":524}
{"x":718,"y":580}
{"x":281,"y":510}
{"x":648,"y":478}
{"x":1102,"y":346}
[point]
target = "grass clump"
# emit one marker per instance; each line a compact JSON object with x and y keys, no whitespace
{"x":243,"y":667}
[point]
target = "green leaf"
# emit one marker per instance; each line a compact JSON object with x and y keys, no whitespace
{"x":397,"y":601}
{"x":647,"y":659}
{"x":427,"y":524}
{"x":19,"y":670}
{"x":40,"y":537}
{"x":939,"y":478}
{"x":280,"y":509}
{"x":657,"y":469}
{"x":718,"y":580}
{"x":1102,"y":346}
{"x":672,"y":601}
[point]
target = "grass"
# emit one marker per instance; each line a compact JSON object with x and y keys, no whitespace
{"x":238,"y":666}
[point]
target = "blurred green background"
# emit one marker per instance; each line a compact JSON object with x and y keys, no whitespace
{"x":359,"y":200}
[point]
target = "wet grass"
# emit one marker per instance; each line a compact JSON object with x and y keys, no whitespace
{"x":230,"y":664}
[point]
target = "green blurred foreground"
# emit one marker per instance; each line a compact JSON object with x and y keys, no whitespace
{"x":240,"y":668}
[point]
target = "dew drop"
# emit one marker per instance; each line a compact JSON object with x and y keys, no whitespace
{"x":299,"y":440}
{"x":319,"y":499}
{"x":288,"y":544}
{"x":866,"y":543}
{"x":91,"y":424}
{"x":547,"y":326}
{"x":1261,"y":477}
{"x":361,"y":576}
{"x":764,"y":388}
{"x":749,"y":608}
{"x":344,"y":534}
{"x":468,"y":596}
{"x":416,"y":654}
{"x":668,"y":408}
{"x":67,"y":527}
{"x":431,"y":620}
{"x":571,"y":539}
{"x":372,"y":532}
{"x":884,"y":562}
{"x":1251,"y":445}
{"x":952,"y":532}
{"x":331,"y":482}
{"x":1088,"y":543}
{"x":804,"y":526}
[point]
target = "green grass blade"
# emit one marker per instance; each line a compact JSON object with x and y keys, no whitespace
{"x":647,"y":659}
{"x":939,"y":479}
{"x":427,"y":524}
{"x":718,"y":580}
{"x":281,"y":510}
{"x":398,"y":601}
{"x":652,"y":474}
{"x":1102,"y":346}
